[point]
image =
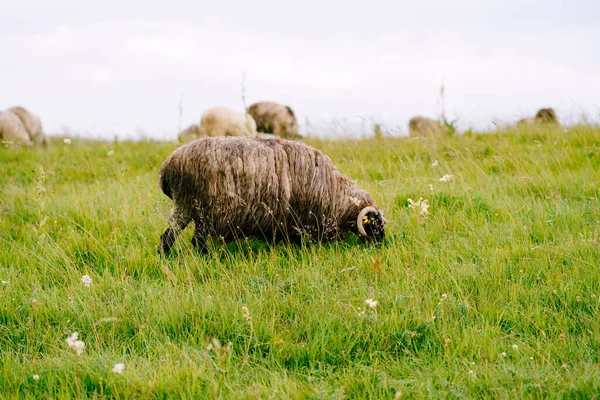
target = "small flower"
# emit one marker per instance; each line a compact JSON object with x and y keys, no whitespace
{"x":361,"y":313}
{"x":67,"y":141}
{"x":515,"y":347}
{"x":435,"y":164}
{"x":36,"y":377}
{"x":76,"y":345}
{"x":472,"y":374}
{"x":503,"y":354}
{"x":86,"y":280}
{"x":34,"y":302}
{"x":447,"y":178}
{"x":431,"y":187}
{"x":110,"y":153}
{"x":421,"y":206}
{"x":371,"y":303}
{"x":444,"y":297}
{"x":246,"y":313}
{"x":118,"y":368}
{"x":5,"y":282}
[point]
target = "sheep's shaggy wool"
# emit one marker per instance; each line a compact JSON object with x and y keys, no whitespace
{"x":273,"y":189}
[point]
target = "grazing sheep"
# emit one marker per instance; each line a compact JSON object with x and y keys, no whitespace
{"x":222,"y":121}
{"x":546,"y":116}
{"x":273,"y":189}
{"x":543,"y":116}
{"x":424,"y":126}
{"x":12,"y":129}
{"x":190,"y":133}
{"x":275,"y":118}
{"x":33,"y":124}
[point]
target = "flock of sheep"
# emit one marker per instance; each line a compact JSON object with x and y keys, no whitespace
{"x":22,"y":127}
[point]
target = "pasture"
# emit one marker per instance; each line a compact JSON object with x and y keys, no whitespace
{"x":492,"y":291}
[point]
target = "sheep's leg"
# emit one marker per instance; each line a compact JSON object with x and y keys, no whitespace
{"x":177,"y":222}
{"x":199,"y":238}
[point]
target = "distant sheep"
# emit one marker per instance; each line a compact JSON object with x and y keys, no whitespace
{"x":190,"y":133}
{"x":275,"y":118}
{"x":222,"y":121}
{"x":33,"y":124}
{"x":12,"y":129}
{"x":543,"y":116}
{"x":272,"y":189}
{"x":424,"y":126}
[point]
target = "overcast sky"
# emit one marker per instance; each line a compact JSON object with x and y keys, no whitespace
{"x":115,"y":67}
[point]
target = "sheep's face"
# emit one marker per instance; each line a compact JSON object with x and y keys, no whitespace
{"x":373,"y":224}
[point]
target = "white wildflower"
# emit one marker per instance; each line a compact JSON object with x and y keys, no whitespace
{"x":447,"y":178}
{"x":431,"y":187}
{"x":76,"y":345}
{"x":5,"y":282}
{"x":86,"y":280}
{"x":110,"y":153}
{"x":371,"y":303}
{"x":515,"y":347}
{"x":36,"y":377}
{"x":435,"y":164}
{"x":422,"y":206}
{"x":67,"y":141}
{"x":444,"y":297}
{"x":503,"y":354}
{"x":118,"y":368}
{"x":472,"y":373}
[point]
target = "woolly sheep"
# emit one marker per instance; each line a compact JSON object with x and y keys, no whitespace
{"x":273,"y":189}
{"x":32,"y":123}
{"x":543,"y":116}
{"x":274,"y":118}
{"x":222,"y":121}
{"x":424,"y":126}
{"x":12,"y":129}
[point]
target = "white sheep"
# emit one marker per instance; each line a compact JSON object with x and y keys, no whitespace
{"x":12,"y":129}
{"x":32,"y":124}
{"x":222,"y":121}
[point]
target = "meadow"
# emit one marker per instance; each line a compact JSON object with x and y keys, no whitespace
{"x":488,"y":289}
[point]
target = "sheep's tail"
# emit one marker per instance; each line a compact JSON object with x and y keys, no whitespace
{"x":164,"y":182}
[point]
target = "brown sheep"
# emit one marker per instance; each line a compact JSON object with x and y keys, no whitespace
{"x":275,"y":118}
{"x":543,"y":116}
{"x":273,"y":189}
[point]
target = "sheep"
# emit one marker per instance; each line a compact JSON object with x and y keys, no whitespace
{"x":271,"y":189}
{"x":543,"y":116}
{"x":222,"y":121}
{"x":424,"y":126}
{"x":33,"y":124}
{"x":275,"y":118}
{"x":190,"y":133}
{"x":12,"y":129}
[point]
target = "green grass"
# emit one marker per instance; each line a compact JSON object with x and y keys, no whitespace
{"x":495,"y":294}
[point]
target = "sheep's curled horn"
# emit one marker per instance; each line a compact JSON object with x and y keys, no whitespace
{"x":362,"y":214}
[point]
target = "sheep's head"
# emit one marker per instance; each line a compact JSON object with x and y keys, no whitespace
{"x":371,"y":224}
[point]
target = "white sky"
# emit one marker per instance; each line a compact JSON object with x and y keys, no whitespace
{"x":116,"y":67}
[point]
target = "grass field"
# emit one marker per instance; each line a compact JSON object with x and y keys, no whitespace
{"x":494,"y":293}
